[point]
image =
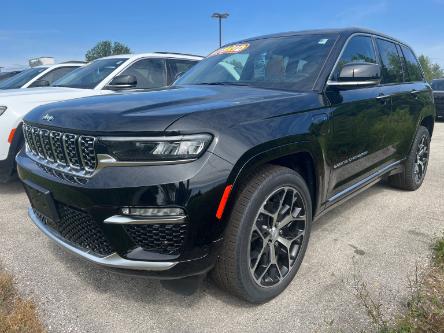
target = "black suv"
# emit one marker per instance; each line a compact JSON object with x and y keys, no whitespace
{"x":226,"y":170}
{"x":438,"y":93}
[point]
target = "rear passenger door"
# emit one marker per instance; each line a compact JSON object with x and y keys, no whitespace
{"x":417,"y":92}
{"x":404,"y":95}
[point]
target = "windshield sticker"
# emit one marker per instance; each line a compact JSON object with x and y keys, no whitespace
{"x":231,"y":49}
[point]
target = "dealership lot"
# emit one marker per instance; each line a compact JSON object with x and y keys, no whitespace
{"x":379,"y":236}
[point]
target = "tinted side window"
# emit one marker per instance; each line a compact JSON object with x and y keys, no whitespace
{"x":391,"y":62}
{"x":150,"y":73}
{"x":358,"y":49}
{"x":56,"y":74}
{"x":414,"y":72}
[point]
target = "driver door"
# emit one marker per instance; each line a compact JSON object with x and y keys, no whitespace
{"x":357,"y":144}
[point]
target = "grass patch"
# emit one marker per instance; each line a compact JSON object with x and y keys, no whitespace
{"x":16,"y":315}
{"x":425,"y":307}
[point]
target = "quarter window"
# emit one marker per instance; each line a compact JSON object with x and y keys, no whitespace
{"x":358,"y":49}
{"x":150,"y":73}
{"x":391,"y":62}
{"x":414,"y":72}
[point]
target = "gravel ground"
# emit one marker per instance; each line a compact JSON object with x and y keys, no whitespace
{"x":380,"y":236}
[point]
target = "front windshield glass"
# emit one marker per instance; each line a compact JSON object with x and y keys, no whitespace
{"x":438,"y":85}
{"x":90,"y":76}
{"x":22,"y":78}
{"x":290,"y":63}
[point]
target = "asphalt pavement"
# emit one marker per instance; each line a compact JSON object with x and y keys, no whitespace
{"x":379,"y":237}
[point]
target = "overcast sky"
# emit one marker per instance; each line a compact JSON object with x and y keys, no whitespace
{"x":67,"y":29}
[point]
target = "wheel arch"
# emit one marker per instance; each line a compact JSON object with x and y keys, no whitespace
{"x":304,"y":157}
{"x":429,"y":123}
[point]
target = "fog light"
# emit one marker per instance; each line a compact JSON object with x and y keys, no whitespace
{"x":154,"y":212}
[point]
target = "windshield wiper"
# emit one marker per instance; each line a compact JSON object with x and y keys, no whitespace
{"x":222,"y":84}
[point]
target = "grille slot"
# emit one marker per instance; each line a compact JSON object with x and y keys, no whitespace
{"x":159,"y":238}
{"x":80,"y":229}
{"x":70,"y":145}
{"x":65,"y":152}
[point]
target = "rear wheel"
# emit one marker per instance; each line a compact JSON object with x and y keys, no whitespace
{"x":415,"y":167}
{"x":267,"y":235}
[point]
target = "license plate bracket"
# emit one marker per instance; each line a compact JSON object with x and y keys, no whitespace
{"x":41,"y":200}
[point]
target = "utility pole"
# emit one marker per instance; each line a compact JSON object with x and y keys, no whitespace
{"x":220,"y":16}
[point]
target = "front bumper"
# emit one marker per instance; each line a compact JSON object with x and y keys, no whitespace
{"x":113,"y":260}
{"x":102,"y":197}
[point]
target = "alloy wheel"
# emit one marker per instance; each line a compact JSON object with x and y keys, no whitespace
{"x":277,"y":236}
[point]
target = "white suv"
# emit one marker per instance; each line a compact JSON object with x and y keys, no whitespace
{"x":39,"y":76}
{"x":100,"y":77}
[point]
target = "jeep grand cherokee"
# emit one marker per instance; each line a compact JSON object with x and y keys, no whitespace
{"x":226,"y":170}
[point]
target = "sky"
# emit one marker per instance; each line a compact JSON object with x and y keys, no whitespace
{"x":67,"y":29}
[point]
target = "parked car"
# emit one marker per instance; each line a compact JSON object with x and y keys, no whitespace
{"x":438,"y":94}
{"x":226,"y":170}
{"x":7,"y":75}
{"x":40,"y":76}
{"x":101,"y":77}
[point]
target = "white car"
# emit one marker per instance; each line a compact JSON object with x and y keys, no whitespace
{"x":40,"y":76}
{"x":100,"y":77}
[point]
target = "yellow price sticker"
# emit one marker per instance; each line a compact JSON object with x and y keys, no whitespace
{"x":231,"y":49}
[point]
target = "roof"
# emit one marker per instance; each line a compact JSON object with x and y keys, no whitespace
{"x":156,"y":55}
{"x":341,"y":31}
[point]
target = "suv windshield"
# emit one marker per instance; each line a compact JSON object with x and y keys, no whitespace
{"x":290,"y":63}
{"x":90,"y":76}
{"x":438,"y":85}
{"x":22,"y":78}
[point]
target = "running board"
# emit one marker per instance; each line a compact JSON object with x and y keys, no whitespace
{"x":362,"y":183}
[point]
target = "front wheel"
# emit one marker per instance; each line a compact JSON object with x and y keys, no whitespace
{"x":415,"y":167}
{"x":266,"y":236}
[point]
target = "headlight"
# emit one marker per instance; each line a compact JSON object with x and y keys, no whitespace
{"x":3,"y":109}
{"x":186,"y":147}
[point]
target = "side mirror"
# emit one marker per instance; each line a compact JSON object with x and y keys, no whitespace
{"x":40,"y":83}
{"x":356,"y":74}
{"x":123,"y":82}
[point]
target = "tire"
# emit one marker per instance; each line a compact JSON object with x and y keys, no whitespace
{"x":250,"y":232}
{"x":414,"y":172}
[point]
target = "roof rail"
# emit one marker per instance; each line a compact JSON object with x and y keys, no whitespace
{"x":178,"y":53}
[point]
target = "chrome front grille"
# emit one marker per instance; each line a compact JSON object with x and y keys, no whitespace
{"x":66,"y":152}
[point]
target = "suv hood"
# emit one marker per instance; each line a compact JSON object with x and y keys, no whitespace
{"x":155,"y":111}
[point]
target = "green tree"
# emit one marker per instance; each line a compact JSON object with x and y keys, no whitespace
{"x":431,"y":70}
{"x":106,"y":48}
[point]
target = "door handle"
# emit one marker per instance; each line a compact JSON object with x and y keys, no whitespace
{"x":415,"y":93}
{"x":383,"y":98}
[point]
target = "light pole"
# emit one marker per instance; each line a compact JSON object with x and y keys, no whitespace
{"x":220,"y":16}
